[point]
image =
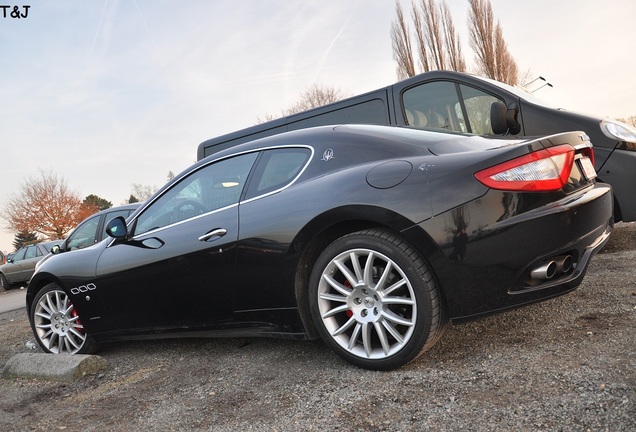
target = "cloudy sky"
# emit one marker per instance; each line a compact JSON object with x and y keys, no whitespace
{"x":112,"y":93}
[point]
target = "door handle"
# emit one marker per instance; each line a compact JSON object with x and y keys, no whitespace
{"x":219,"y":232}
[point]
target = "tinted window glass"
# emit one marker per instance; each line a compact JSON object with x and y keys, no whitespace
{"x":32,"y":252}
{"x":210,"y":188}
{"x":19,"y":255}
{"x":432,"y":106}
{"x":477,"y":105}
{"x":84,"y":235}
{"x":276,"y":169}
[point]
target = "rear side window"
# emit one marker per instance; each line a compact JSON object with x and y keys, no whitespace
{"x":477,"y":104}
{"x":276,"y":169}
{"x":32,"y":252}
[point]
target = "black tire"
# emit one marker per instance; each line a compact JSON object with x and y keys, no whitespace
{"x":56,"y":325}
{"x":385,"y":312}
{"x":4,"y":283}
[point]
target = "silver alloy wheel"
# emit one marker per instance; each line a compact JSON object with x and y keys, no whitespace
{"x":367,"y":304}
{"x":57,"y":325}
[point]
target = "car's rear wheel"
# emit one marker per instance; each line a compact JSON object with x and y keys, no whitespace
{"x":4,"y":283}
{"x":374,"y":300}
{"x":56,"y":325}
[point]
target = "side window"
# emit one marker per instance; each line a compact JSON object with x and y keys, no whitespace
{"x":211,"y":187}
{"x":477,"y":104}
{"x":84,"y":235}
{"x":32,"y":252}
{"x":433,"y":106}
{"x":19,"y":255}
{"x":276,"y":169}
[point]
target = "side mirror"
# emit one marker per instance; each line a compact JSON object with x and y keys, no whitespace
{"x":511,"y":118}
{"x":498,"y":118}
{"x":56,"y":249}
{"x":504,"y":118}
{"x":116,"y":228}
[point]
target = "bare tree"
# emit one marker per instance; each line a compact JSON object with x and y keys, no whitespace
{"x":437,"y":41}
{"x":142,"y":192}
{"x":315,"y":96}
{"x":433,"y":32}
{"x":420,"y":38}
{"x":401,"y":43}
{"x":45,"y":205}
{"x":453,"y":44}
{"x":486,"y":38}
{"x":629,"y":120}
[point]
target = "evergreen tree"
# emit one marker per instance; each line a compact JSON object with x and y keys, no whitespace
{"x":24,"y":238}
{"x":99,"y":202}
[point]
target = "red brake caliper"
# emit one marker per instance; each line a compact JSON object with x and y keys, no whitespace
{"x":74,"y":314}
{"x":349,"y":312}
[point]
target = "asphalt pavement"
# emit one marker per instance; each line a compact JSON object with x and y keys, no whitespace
{"x":12,"y":300}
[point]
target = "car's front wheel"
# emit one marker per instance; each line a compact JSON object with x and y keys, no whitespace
{"x":374,"y":300}
{"x":56,"y":325}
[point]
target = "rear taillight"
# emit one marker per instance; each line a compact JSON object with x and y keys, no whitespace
{"x":544,"y":170}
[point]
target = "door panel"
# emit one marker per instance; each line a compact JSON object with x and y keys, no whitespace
{"x":170,"y":278}
{"x":12,"y":270}
{"x":27,"y":265}
{"x":178,"y":269}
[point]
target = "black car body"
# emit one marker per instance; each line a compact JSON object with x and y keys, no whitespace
{"x":20,"y":266}
{"x":368,"y":236}
{"x":461,"y":102}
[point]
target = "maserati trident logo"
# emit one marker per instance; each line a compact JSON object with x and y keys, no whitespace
{"x":327,"y":155}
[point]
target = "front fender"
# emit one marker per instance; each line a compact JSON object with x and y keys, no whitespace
{"x":73,"y":272}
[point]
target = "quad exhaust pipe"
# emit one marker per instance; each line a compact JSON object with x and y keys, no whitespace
{"x":554,"y":267}
{"x":564,"y":264}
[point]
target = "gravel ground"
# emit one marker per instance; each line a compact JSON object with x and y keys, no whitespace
{"x":565,"y":364}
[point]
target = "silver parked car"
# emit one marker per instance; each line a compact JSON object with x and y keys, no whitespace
{"x":20,"y":267}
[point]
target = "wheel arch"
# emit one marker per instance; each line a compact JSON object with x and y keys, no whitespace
{"x":38,"y":282}
{"x":326,"y":228}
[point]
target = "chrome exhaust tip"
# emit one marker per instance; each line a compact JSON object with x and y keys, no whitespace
{"x":564,"y":263}
{"x":545,"y":271}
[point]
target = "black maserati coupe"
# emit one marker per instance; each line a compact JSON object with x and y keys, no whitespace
{"x":369,"y":237}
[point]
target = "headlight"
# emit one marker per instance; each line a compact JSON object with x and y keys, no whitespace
{"x":618,"y":130}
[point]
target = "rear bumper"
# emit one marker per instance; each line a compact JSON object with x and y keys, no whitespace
{"x":503,"y":244}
